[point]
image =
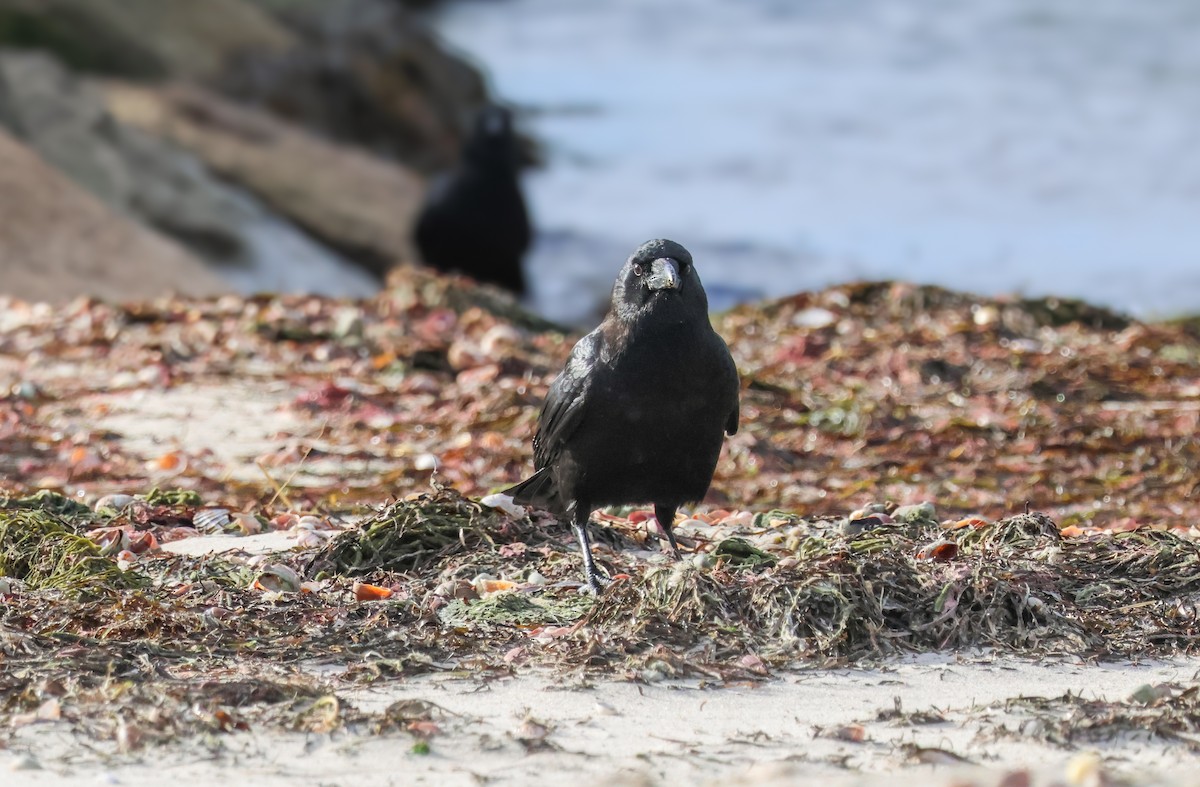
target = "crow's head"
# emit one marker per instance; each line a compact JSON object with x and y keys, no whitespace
{"x":659,"y":278}
{"x":492,"y":144}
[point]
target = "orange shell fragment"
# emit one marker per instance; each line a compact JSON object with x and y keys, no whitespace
{"x":494,"y":585}
{"x":170,"y":461}
{"x":365,"y":592}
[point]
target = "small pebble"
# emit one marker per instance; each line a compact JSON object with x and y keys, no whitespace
{"x":604,"y":709}
{"x":920,"y":512}
{"x":654,"y":673}
{"x":348,"y":322}
{"x":1085,"y":770}
{"x":24,"y":762}
{"x":858,"y":525}
{"x":1148,"y":693}
{"x":27,"y":390}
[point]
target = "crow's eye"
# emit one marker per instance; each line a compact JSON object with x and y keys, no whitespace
{"x":637,"y":269}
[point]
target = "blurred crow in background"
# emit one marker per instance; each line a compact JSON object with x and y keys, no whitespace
{"x":474,"y":220}
{"x":640,"y":411}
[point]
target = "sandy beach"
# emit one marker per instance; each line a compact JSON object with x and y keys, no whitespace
{"x":977,"y":531}
{"x":929,"y":720}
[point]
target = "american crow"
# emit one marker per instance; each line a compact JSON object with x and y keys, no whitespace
{"x":639,"y":412}
{"x":474,"y":220}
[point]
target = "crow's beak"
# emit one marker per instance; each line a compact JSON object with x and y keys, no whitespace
{"x":664,"y":274}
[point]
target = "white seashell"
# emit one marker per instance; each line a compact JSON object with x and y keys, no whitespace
{"x":211,"y":519}
{"x":309,"y":522}
{"x":813,"y":318}
{"x":499,"y":340}
{"x":309,"y":538}
{"x":247,"y":523}
{"x":503,"y":503}
{"x":279,"y":578}
{"x":115,"y":502}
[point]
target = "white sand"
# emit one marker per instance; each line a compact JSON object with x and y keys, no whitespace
{"x":668,"y":733}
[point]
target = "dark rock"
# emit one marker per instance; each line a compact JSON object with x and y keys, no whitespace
{"x":361,"y":71}
{"x":359,"y":204}
{"x":143,"y":38}
{"x":58,"y":242}
{"x":149,"y":179}
{"x":367,"y":72}
{"x":66,"y":122}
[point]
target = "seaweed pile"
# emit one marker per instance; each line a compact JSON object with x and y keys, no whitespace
{"x":463,"y":582}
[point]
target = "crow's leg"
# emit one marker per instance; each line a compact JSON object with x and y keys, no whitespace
{"x":579,"y":519}
{"x":666,"y":520}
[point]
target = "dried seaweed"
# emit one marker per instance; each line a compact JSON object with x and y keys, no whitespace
{"x":1016,"y":585}
{"x":515,"y":609}
{"x":1166,"y":712}
{"x":415,"y":533}
{"x":44,"y":551}
{"x":48,"y":501}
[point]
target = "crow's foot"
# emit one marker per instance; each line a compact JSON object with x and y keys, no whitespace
{"x":597,"y":582}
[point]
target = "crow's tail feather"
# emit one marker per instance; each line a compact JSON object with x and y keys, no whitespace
{"x":537,"y":490}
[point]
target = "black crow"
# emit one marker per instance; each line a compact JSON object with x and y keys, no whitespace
{"x":639,"y":412}
{"x":474,"y":220}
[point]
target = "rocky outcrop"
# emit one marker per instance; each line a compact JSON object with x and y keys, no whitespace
{"x":150,"y":179}
{"x":313,"y":80}
{"x":369,"y":73}
{"x":359,"y":204}
{"x":365,"y":72}
{"x":58,"y":242}
{"x":144,"y":38}
{"x":66,"y":122}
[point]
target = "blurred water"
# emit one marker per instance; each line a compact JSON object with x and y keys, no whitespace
{"x":1036,"y":146}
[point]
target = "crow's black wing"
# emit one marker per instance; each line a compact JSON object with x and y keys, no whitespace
{"x":566,"y":401}
{"x":731,"y":423}
{"x":728,"y":377}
